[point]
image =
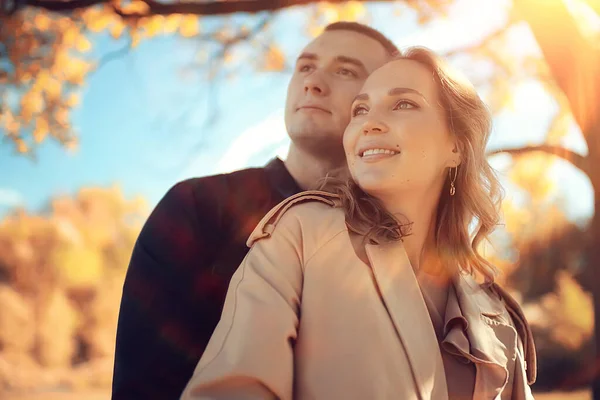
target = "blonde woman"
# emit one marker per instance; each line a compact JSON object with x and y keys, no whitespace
{"x":378,"y":291}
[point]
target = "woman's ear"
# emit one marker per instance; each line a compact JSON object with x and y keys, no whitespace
{"x":456,"y":157}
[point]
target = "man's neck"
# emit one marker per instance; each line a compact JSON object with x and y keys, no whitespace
{"x":307,"y":169}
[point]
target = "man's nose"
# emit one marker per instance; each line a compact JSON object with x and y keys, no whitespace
{"x":374,"y":126}
{"x":316,"y":84}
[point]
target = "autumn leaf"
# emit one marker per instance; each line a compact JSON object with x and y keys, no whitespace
{"x":116,"y":29}
{"x":53,"y":89}
{"x":73,"y":100}
{"x":172,"y":23}
{"x":42,"y":21}
{"x":21,"y":146}
{"x":41,"y":129}
{"x":275,"y":59}
{"x":33,"y":102}
{"x":530,"y":172}
{"x":70,"y":36}
{"x":83,"y":44}
{"x":189,"y":26}
{"x":351,"y":11}
{"x":75,"y":71}
{"x":154,"y":25}
{"x":97,"y":19}
{"x":136,"y":6}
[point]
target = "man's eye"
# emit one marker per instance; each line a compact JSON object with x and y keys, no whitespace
{"x":305,"y":68}
{"x":359,"y":110}
{"x":405,"y":105}
{"x":347,"y":72}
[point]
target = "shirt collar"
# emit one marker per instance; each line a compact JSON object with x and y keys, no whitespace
{"x":280,"y":179}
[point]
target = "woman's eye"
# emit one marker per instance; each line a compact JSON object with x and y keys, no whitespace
{"x":347,"y":72}
{"x":359,"y":110}
{"x":404,"y":105}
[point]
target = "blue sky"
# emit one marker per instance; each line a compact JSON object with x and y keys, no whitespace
{"x":145,"y":118}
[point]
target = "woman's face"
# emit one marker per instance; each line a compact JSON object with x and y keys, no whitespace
{"x":398,"y":138}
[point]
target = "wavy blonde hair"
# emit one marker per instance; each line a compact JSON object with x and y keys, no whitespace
{"x":478,"y":191}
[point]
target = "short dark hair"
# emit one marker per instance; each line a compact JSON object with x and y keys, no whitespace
{"x":366,"y":30}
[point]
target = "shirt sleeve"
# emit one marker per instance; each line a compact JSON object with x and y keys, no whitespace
{"x":251,"y":350}
{"x":168,"y":310}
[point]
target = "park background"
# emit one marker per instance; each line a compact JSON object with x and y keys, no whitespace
{"x":104,"y":105}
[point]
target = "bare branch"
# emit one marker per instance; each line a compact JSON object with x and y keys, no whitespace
{"x":114,"y":55}
{"x":579,"y":161}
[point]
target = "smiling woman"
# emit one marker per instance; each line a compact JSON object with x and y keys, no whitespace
{"x":372,"y":289}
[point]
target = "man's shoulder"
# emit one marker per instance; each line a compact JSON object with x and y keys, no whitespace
{"x":221,"y":181}
{"x":211,"y":189}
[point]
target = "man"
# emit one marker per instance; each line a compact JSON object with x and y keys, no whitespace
{"x":196,"y":236}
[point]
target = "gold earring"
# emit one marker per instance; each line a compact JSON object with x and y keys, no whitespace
{"x":452,"y":180}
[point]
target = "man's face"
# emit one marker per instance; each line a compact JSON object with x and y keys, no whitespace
{"x":328,"y":75}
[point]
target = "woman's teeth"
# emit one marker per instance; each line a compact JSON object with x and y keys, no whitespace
{"x":379,"y":151}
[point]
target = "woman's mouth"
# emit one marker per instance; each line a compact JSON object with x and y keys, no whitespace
{"x":377,"y":154}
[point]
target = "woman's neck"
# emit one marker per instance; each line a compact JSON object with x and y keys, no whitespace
{"x":420,"y":244}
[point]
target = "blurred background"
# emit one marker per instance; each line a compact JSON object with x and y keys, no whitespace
{"x":104,"y":105}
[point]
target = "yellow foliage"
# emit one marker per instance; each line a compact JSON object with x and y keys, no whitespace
{"x":41,"y":130}
{"x":79,"y":267}
{"x":98,"y":19}
{"x":32,"y":102}
{"x":75,"y":71}
{"x":189,"y":26}
{"x":530,"y":172}
{"x":116,"y":30}
{"x":42,"y":22}
{"x":73,"y":100}
{"x":172,"y":22}
{"x":570,"y":312}
{"x":327,"y":13}
{"x":70,"y":36}
{"x":83,"y":44}
{"x":63,"y":274}
{"x":153,"y":25}
{"x":53,"y":89}
{"x":135,"y":6}
{"x":274,"y":59}
{"x":21,"y":146}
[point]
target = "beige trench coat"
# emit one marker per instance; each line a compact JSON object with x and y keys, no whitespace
{"x":305,"y":318}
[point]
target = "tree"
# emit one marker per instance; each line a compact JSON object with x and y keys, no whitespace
{"x":61,"y":274}
{"x":574,"y":62}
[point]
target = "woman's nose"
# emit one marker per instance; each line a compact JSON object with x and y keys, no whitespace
{"x":374,"y":127}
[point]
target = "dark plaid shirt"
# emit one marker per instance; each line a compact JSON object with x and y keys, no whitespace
{"x":179,"y":272}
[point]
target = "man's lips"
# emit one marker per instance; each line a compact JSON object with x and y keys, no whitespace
{"x":314,"y":107}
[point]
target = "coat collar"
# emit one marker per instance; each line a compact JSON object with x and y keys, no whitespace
{"x":488,"y":339}
{"x":397,"y":283}
{"x":484,"y":337}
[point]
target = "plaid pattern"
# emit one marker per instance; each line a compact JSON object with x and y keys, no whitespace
{"x":179,"y":272}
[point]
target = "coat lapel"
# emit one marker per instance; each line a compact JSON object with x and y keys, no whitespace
{"x":491,"y":338}
{"x":402,"y":297}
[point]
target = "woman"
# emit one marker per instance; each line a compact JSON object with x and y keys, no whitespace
{"x":372,"y":292}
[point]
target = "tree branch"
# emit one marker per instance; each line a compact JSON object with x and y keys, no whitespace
{"x":579,"y":161}
{"x":180,"y":7}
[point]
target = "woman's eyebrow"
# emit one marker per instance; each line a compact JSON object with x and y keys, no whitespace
{"x":362,"y":96}
{"x":403,"y":90}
